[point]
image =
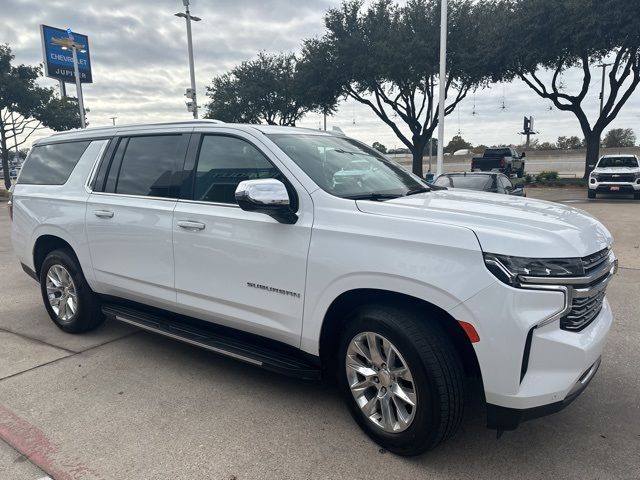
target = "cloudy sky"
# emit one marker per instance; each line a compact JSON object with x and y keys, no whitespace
{"x":140,"y":66}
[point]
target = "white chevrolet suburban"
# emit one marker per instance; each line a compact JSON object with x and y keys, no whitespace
{"x":616,"y":174}
{"x":265,"y":244}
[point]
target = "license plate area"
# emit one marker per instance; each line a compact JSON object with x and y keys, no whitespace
{"x":614,"y":189}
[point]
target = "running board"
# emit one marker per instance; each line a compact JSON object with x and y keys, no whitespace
{"x":208,"y":338}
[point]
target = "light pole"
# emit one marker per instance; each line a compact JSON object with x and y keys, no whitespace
{"x":113,"y":119}
{"x":603,"y":66}
{"x":70,"y":44}
{"x":193,"y":105}
{"x":443,"y":82}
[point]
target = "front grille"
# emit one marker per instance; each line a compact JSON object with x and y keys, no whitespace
{"x":583,"y":312}
{"x":617,"y":177}
{"x":587,"y":300}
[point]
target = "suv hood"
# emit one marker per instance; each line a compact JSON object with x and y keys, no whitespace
{"x":504,"y":224}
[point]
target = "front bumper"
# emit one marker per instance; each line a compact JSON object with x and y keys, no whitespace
{"x":624,"y":188}
{"x":529,"y":370}
{"x":505,"y":418}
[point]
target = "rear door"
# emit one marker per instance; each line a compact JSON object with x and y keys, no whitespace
{"x":236,"y":268}
{"x":129,"y":217}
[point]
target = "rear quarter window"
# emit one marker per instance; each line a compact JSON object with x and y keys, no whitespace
{"x":51,"y":164}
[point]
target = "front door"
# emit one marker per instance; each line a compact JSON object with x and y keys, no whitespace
{"x":236,"y":268}
{"x":129,"y":218}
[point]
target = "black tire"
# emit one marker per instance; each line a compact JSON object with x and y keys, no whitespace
{"x":88,"y":314}
{"x":636,"y":196}
{"x":436,"y":369}
{"x":591,"y":193}
{"x":521,"y":172}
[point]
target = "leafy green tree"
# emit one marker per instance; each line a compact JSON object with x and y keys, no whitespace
{"x":479,"y":149}
{"x":379,"y":147}
{"x":547,"y":146}
{"x":274,"y":89}
{"x":25,"y":107}
{"x":457,"y":143}
{"x":555,"y":36}
{"x":569,"y":143}
{"x":386,"y":57}
{"x":318,"y":81}
{"x":619,"y":138}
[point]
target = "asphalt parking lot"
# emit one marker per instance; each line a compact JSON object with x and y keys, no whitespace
{"x":123,"y":404}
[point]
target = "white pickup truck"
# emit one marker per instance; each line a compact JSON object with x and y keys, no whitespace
{"x":267,"y":245}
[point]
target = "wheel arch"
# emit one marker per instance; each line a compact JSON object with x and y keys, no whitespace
{"x":347,"y":302}
{"x":46,"y":244}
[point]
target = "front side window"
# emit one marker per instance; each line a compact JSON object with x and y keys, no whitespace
{"x":151,"y":166}
{"x":347,"y":168}
{"x":630,"y":162}
{"x":505,"y":185}
{"x":52,"y":164}
{"x":224,"y":162}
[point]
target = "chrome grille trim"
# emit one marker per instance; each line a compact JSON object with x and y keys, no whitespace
{"x":583,"y":296}
{"x":586,"y":302}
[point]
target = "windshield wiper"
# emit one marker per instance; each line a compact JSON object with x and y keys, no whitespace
{"x":339,"y":150}
{"x":415,"y":191}
{"x":376,"y":197}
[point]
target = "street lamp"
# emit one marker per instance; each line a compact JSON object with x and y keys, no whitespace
{"x":191,"y":93}
{"x":443,"y":82}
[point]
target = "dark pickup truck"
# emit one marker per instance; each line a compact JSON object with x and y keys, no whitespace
{"x":503,"y":159}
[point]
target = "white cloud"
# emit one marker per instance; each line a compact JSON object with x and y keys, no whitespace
{"x":140,"y":64}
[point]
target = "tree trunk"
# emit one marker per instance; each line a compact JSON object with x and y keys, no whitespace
{"x":592,"y":140}
{"x":5,"y":158}
{"x":417,"y":154}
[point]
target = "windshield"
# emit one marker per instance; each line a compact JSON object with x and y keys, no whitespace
{"x":630,"y":162}
{"x":347,"y":168}
{"x":471,"y":182}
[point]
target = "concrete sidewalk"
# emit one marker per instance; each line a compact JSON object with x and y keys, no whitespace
{"x":122,"y":404}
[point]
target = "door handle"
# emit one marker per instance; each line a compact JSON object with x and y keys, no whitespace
{"x":103,"y":213}
{"x":191,"y":225}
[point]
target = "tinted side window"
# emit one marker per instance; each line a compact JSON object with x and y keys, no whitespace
{"x":505,"y":183}
{"x":224,"y":162}
{"x":151,"y":166}
{"x":52,"y":164}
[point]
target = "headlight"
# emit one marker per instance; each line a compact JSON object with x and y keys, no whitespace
{"x":594,"y":175}
{"x":508,"y":269}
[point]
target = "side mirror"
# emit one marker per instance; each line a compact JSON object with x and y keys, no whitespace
{"x":268,"y":196}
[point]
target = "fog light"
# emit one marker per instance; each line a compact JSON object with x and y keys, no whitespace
{"x":593,"y":180}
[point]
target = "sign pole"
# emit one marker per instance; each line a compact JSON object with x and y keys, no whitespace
{"x":78,"y":85}
{"x":63,"y":89}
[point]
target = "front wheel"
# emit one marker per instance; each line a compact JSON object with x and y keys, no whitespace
{"x":401,"y":378}
{"x":69,"y":300}
{"x":636,"y":196}
{"x":591,"y":194}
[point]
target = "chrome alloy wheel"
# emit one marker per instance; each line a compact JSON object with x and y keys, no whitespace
{"x":381,"y":382}
{"x":61,"y":292}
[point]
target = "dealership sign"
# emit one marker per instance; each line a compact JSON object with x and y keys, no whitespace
{"x":58,"y":56}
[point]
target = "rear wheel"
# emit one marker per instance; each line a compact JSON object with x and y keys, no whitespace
{"x":67,"y":297}
{"x":591,"y":194}
{"x":401,"y":378}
